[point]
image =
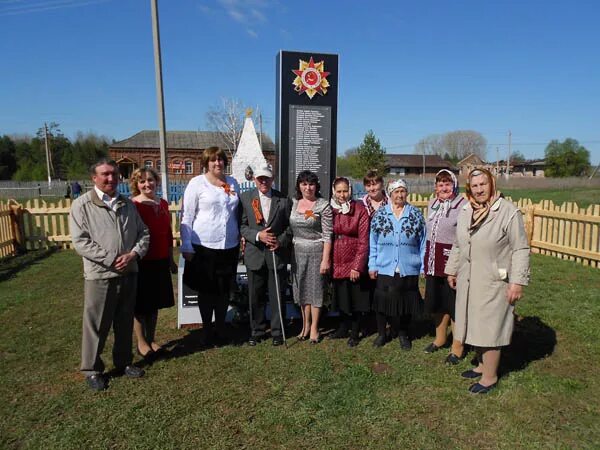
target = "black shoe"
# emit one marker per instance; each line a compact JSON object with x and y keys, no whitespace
{"x":470,"y":374}
{"x":340,"y":333}
{"x":453,"y":359}
{"x":379,"y":342}
{"x":431,"y":348}
{"x":253,"y":341}
{"x":96,"y":382}
{"x":405,"y":343}
{"x":352,"y":342}
{"x":316,"y":341}
{"x":133,"y":372}
{"x":149,"y":356}
{"x":277,"y":341}
{"x":481,"y":389}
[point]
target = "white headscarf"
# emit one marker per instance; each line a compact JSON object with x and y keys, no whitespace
{"x":343,"y":208}
{"x":393,"y":185}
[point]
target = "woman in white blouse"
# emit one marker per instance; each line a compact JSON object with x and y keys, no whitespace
{"x":210,"y":239}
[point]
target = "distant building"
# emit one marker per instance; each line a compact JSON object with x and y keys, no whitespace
{"x":532,"y":168}
{"x":184,"y":149}
{"x":412,"y":165}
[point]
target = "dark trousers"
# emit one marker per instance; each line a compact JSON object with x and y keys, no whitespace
{"x":108,"y":302}
{"x":214,"y":270}
{"x":258,"y":282}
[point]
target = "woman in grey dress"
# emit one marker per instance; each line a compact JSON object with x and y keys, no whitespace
{"x":311,"y":222}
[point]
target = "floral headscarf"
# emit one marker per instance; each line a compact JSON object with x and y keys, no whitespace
{"x":481,"y":211}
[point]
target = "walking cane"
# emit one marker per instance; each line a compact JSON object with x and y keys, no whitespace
{"x":278,"y":300}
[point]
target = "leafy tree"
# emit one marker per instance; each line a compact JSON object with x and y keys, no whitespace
{"x":347,"y":165}
{"x":566,"y":159}
{"x":370,"y":155}
{"x":517,"y":157}
{"x":86,"y":149}
{"x":8,"y":161}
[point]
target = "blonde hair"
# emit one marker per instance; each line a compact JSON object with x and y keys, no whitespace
{"x":138,"y":174}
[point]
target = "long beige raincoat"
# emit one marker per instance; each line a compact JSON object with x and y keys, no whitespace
{"x":485,"y":262}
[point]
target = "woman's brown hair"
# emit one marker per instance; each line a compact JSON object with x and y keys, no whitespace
{"x":212,"y":154}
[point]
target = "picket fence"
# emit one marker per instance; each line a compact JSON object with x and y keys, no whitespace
{"x":563,"y":231}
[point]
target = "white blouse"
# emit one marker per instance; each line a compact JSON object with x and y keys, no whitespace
{"x":209,"y":216}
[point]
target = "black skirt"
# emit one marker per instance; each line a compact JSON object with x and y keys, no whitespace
{"x":350,"y":297}
{"x":211,"y":270}
{"x":397,"y":296}
{"x":439,"y":296}
{"x":154,"y":288}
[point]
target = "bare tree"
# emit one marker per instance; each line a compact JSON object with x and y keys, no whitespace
{"x":227,"y":119}
{"x":455,"y":144}
{"x":431,"y":145}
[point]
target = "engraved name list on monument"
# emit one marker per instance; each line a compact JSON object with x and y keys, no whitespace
{"x":310,"y":130}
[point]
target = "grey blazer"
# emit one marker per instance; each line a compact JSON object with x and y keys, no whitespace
{"x":256,"y":253}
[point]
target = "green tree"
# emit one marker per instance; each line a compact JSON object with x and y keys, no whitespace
{"x":8,"y":160}
{"x":566,"y":159}
{"x":370,"y":155}
{"x":346,"y":166}
{"x":517,"y":157}
{"x":86,"y":149}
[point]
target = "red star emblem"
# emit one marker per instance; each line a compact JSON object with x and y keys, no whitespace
{"x":311,"y":78}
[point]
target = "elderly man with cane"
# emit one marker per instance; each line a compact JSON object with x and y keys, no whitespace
{"x":265,"y":228}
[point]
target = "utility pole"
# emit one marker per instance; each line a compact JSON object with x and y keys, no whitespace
{"x":497,"y":162}
{"x":423,"y":162}
{"x":508,"y":157}
{"x":162,"y":136}
{"x":47,"y":155}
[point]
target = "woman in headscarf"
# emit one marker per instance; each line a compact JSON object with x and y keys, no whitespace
{"x":442,"y":213}
{"x":488,"y":266}
{"x":350,"y":254}
{"x":396,"y":250}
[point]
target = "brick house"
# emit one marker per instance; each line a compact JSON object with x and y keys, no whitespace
{"x":412,"y":165}
{"x":184,"y":149}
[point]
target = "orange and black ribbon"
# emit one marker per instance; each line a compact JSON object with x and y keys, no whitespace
{"x":256,"y":208}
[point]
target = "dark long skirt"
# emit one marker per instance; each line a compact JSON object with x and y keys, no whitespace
{"x":439,"y":296}
{"x":397,"y":296}
{"x":154,"y":286}
{"x":350,"y":297}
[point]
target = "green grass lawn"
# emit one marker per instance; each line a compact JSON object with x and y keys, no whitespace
{"x":325,"y":396}
{"x":582,"y":196}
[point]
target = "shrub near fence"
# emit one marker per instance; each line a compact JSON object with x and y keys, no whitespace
{"x":565,"y":231}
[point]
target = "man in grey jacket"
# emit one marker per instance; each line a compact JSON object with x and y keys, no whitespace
{"x":109,"y":234}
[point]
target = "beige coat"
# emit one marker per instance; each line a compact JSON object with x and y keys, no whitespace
{"x":485,"y":262}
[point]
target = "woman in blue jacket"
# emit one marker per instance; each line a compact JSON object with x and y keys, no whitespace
{"x":396,"y":251}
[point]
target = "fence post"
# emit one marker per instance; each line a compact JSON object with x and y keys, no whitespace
{"x":16,"y":221}
{"x":529,"y":222}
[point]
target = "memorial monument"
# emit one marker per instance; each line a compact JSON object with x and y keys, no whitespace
{"x":248,"y":156}
{"x":306,"y":117}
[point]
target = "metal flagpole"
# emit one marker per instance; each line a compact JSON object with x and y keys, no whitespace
{"x":160,"y":100}
{"x":278,"y":299}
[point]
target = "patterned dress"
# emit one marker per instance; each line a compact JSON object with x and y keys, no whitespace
{"x":311,"y":230}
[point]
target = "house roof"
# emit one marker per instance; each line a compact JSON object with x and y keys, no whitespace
{"x":183,"y":140}
{"x":412,"y":160}
{"x":472,"y":158}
